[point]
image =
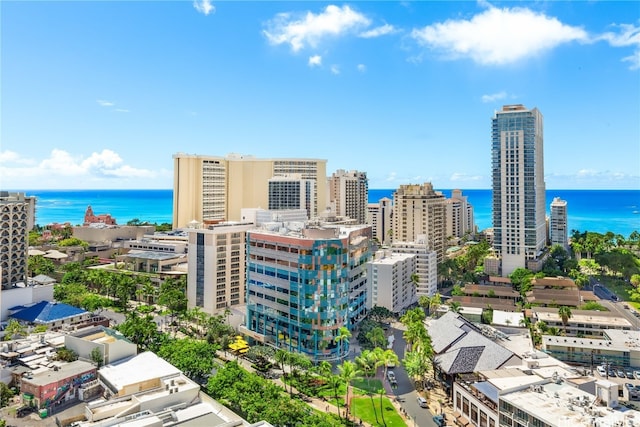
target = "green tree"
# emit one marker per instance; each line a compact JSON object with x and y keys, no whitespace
{"x":14,"y":329}
{"x":66,"y":354}
{"x":565,"y":314}
{"x":193,"y":357}
{"x":97,"y":357}
{"x":455,"y":306}
{"x":348,"y":371}
{"x":38,"y":264}
{"x":435,"y":301}
{"x":343,"y":336}
{"x":377,"y":337}
{"x":5,"y":394}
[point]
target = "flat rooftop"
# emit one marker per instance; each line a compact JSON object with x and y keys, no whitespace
{"x":64,"y":371}
{"x":143,"y":367}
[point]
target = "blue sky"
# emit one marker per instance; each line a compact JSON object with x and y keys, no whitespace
{"x":102,"y":94}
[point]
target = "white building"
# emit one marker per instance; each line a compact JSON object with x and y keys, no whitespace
{"x":519,"y":208}
{"x":379,"y":217}
{"x":390,"y":281}
{"x":426,"y":264}
{"x":216,"y":266}
{"x":111,"y":344}
{"x":290,"y":192}
{"x":558,"y":223}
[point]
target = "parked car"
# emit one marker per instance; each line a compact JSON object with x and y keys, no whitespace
{"x":422,"y":402}
{"x":612,"y":373}
{"x":636,"y":375}
{"x":629,"y":374}
{"x":601,"y":371}
{"x":24,"y":411}
{"x":439,"y":420}
{"x":620,"y":373}
{"x":629,"y":386}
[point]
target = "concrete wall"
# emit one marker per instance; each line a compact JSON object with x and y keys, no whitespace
{"x":125,"y":232}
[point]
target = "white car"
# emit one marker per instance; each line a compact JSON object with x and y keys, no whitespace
{"x":422,"y":402}
{"x":601,"y":371}
{"x":391,"y":376}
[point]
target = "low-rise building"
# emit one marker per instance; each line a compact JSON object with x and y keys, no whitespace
{"x":56,"y":385}
{"x":111,"y":345}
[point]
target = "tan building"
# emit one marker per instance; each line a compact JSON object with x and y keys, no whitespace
{"x":213,"y":189}
{"x":420,"y":210}
{"x":216,"y":278}
{"x":348,"y":194}
{"x":459,"y":218}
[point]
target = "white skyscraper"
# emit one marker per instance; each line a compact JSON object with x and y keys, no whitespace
{"x":558,"y":226}
{"x":519,"y":220}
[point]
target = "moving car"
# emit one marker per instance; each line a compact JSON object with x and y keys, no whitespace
{"x":391,"y":376}
{"x":439,"y":420}
{"x":422,"y":402}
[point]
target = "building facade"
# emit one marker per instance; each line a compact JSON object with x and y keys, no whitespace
{"x":213,"y":189}
{"x":459,"y":217}
{"x":304,"y":285}
{"x":17,"y":218}
{"x":518,"y":203}
{"x":390,"y":281}
{"x":348,"y":194}
{"x":426,"y":264}
{"x":558,"y":223}
{"x":292,"y":192}
{"x":216,"y":263}
{"x":419,"y":210}
{"x":379,"y":217}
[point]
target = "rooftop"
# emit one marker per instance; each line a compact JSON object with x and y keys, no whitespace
{"x":142,"y":367}
{"x":47,"y":312}
{"x":63,"y":371}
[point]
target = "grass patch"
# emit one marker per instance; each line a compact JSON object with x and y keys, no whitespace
{"x":361,"y":408}
{"x":371,"y":385}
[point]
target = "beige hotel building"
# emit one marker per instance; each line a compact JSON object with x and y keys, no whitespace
{"x":212,"y":189}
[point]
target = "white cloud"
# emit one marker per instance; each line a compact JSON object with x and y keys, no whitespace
{"x":463,"y":177}
{"x":494,"y":97}
{"x":498,"y":36}
{"x":629,"y":35}
{"x":335,"y":69}
{"x":63,"y":167}
{"x":121,"y":110}
{"x":204,"y":6}
{"x":104,"y":103}
{"x":378,"y":31}
{"x":362,"y":68}
{"x":315,"y":61}
{"x":309,"y":29}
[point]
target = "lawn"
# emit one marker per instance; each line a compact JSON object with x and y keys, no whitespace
{"x":370,"y":385}
{"x":361,"y":408}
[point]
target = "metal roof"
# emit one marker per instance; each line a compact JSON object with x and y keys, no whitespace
{"x":47,"y":312}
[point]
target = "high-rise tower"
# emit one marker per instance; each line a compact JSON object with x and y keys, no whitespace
{"x":517,"y":163}
{"x":558,"y":226}
{"x":348,"y":194}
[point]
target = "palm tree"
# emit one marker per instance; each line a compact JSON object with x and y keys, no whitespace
{"x":565,"y":314}
{"x":376,"y":337}
{"x":385,"y":358}
{"x":367,"y":362}
{"x":347,"y":373}
{"x":343,"y":336}
{"x":434,"y":302}
{"x":455,"y":306}
{"x":423,"y":302}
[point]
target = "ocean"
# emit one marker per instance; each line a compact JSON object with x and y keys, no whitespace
{"x":600,"y":211}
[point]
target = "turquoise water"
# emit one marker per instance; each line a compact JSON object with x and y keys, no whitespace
{"x":589,"y":210}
